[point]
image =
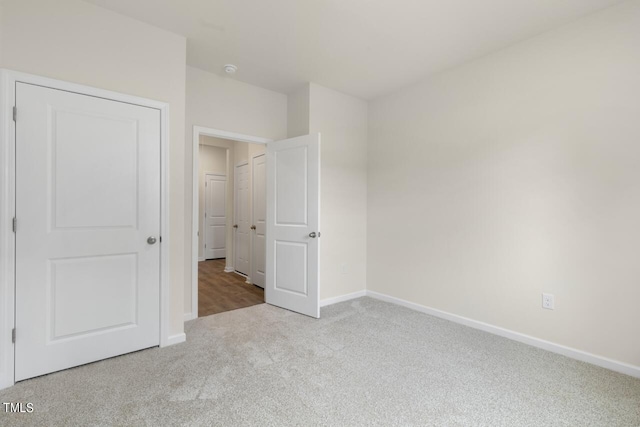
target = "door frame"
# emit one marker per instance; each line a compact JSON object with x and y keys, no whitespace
{"x":8,"y":80}
{"x":204,"y":220}
{"x":195,"y":145}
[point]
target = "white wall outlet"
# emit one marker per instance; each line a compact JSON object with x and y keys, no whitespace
{"x":342,"y":268}
{"x":547,"y":301}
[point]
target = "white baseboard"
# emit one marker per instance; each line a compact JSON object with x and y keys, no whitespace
{"x":189,"y":316}
{"x":176,"y":339}
{"x":573,"y":353}
{"x":329,"y":301}
{"x":228,"y":269}
{"x":244,"y":276}
{"x":200,"y":259}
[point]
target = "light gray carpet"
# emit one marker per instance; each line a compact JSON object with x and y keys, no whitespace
{"x":365,"y":362}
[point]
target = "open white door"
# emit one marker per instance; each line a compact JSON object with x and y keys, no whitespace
{"x":293,"y":220}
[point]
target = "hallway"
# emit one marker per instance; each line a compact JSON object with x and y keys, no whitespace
{"x":219,"y":291}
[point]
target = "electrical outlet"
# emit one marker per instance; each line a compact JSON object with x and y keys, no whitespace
{"x":547,"y":301}
{"x":342,"y":268}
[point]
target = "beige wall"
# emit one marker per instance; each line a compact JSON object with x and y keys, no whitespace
{"x":74,"y":41}
{"x":226,"y":104}
{"x":298,"y":111}
{"x":242,"y":153}
{"x":342,"y":121}
{"x":212,"y":159}
{"x":517,"y":174}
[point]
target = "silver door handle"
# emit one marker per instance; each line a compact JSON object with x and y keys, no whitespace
{"x":151,"y":240}
{"x":253,"y":227}
{"x":313,"y":234}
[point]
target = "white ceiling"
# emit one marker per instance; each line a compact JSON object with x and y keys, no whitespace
{"x":365,"y":48}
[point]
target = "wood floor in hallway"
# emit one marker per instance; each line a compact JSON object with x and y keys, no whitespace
{"x":219,"y":291}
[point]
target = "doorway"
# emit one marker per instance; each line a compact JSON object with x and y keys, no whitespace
{"x":284,"y":231}
{"x":226,"y":244}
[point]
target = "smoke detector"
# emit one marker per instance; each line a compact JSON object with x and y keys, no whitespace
{"x":230,"y":69}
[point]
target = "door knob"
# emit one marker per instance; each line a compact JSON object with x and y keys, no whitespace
{"x":151,"y":240}
{"x":235,"y":225}
{"x":312,"y":234}
{"x":253,"y":227}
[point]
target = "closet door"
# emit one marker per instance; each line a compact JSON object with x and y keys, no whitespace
{"x":242,"y":225}
{"x":215,"y":216}
{"x":259,"y":226}
{"x":87,"y":241}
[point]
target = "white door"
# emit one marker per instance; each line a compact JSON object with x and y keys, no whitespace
{"x":242,"y":225}
{"x":259,"y":226}
{"x":293,"y":219}
{"x":88,"y":211}
{"x":215,"y":216}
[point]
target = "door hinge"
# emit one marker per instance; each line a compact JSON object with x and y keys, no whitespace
{"x":15,"y":224}
{"x":15,"y":113}
{"x":160,"y":239}
{"x":13,"y":335}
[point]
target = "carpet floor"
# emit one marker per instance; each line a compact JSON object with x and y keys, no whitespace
{"x":366,"y":362}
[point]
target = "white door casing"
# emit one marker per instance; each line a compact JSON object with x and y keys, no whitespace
{"x":293,"y":220}
{"x":241,"y":197}
{"x":259,"y":222}
{"x":215,"y":216}
{"x":88,"y":198}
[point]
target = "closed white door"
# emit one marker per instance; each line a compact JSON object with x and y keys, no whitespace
{"x":215,"y":216}
{"x":87,"y":241}
{"x":259,"y":226}
{"x":293,"y":220}
{"x":242,"y":224}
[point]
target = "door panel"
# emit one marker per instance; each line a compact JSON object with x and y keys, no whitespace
{"x":215,"y":216}
{"x":293,"y":219}
{"x":291,"y":266}
{"x":108,"y":172}
{"x":242,"y":248}
{"x":84,"y":292}
{"x":88,"y":197}
{"x":259,"y":207}
{"x":291,"y":188}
